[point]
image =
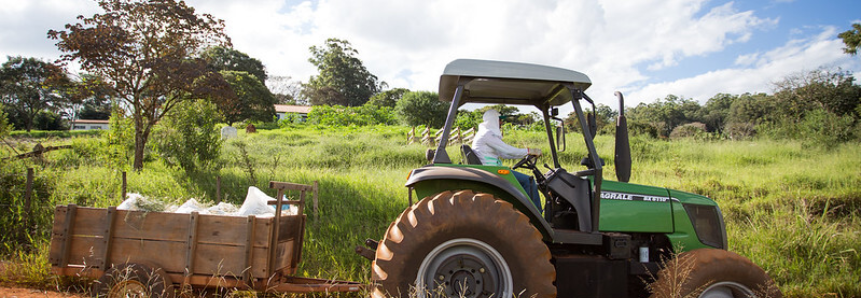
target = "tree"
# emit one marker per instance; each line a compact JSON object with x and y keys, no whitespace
{"x":834,"y":91}
{"x":388,"y":98}
{"x":343,"y":79}
{"x":224,"y":58}
{"x":852,"y":39}
{"x":665,"y":114}
{"x":286,"y":90}
{"x":144,"y":51}
{"x":717,"y":110}
{"x":422,"y":108}
{"x":251,"y":101}
{"x":29,"y":86}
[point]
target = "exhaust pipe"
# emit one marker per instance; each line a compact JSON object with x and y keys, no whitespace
{"x":623,"y":147}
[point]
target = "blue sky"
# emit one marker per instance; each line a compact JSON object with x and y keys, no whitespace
{"x":645,"y":48}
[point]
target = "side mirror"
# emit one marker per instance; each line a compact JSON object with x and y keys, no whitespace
{"x":554,"y":112}
{"x":593,"y":125}
{"x":560,"y":137}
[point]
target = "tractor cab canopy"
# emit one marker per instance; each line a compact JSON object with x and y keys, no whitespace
{"x":496,"y":82}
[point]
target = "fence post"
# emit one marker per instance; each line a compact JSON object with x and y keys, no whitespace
{"x":217,"y":189}
{"x":124,"y":186}
{"x":316,"y":190}
{"x":28,"y":194}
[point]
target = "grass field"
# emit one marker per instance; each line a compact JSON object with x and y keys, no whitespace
{"x":790,"y":208}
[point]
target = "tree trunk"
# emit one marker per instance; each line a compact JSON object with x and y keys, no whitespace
{"x":140,"y":142}
{"x":141,"y":137}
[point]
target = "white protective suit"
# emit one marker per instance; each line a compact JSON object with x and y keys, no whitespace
{"x":488,"y":144}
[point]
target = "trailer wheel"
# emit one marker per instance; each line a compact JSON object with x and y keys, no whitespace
{"x":131,"y":280}
{"x":713,"y":273}
{"x":463,"y":244}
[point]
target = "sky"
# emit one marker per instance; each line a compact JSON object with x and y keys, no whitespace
{"x":646,"y":49}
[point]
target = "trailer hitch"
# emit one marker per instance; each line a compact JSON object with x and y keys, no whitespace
{"x":368,"y":252}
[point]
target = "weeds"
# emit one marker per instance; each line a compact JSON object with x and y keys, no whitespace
{"x":791,"y":209}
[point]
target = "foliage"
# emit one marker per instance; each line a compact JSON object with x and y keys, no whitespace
{"x":220,"y":58}
{"x":852,"y":39}
{"x":252,"y":101}
{"x":188,"y":137}
{"x":388,"y":98}
{"x":346,"y":116}
{"x":29,"y":85}
{"x":95,"y":98}
{"x":342,"y":79}
{"x":286,"y":90}
{"x":119,"y":140}
{"x":422,"y":108}
{"x":797,"y":222}
{"x":17,"y":223}
{"x":605,"y":119}
{"x":665,"y":114}
{"x":142,"y":51}
{"x":5,"y":126}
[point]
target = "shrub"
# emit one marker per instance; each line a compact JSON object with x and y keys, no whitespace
{"x":188,"y":137}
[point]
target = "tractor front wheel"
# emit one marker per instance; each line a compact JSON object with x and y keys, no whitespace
{"x":713,"y":273}
{"x":463,"y":244}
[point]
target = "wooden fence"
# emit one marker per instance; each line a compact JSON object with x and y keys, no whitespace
{"x":426,"y":138}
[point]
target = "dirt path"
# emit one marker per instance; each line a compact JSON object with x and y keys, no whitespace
{"x":15,"y":291}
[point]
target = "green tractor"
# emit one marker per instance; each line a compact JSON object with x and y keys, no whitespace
{"x":476,"y":233}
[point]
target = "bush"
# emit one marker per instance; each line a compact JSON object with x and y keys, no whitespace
{"x":188,"y":137}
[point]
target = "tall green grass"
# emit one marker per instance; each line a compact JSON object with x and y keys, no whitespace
{"x":789,"y":207}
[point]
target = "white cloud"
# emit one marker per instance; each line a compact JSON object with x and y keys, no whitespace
{"x":759,"y":70}
{"x":619,"y":44}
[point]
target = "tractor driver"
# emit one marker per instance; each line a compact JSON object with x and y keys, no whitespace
{"x":489,"y":148}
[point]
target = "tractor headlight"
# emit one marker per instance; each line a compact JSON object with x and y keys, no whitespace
{"x":708,"y":223}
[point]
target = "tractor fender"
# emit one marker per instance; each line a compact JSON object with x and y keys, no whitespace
{"x":454,"y":177}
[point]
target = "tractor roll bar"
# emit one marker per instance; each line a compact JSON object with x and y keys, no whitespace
{"x":596,"y":171}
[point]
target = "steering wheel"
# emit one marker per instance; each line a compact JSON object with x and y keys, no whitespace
{"x":527,"y":162}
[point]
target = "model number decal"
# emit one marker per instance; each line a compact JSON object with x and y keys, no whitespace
{"x":631,"y":197}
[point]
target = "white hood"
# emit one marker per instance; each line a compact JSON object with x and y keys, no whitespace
{"x":488,"y":144}
{"x":490,"y":123}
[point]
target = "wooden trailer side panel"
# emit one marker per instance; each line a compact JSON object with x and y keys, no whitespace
{"x":219,"y":245}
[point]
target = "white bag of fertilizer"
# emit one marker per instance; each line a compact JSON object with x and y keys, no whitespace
{"x":191,"y":206}
{"x":256,"y":203}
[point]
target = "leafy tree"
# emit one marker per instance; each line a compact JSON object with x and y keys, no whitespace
{"x":251,"y":101}
{"x":29,"y":86}
{"x":222,"y":58}
{"x":852,"y":39}
{"x":716,"y":112}
{"x":143,"y":51}
{"x":665,"y":114}
{"x":834,"y":91}
{"x":422,"y":108}
{"x":188,"y":136}
{"x":388,"y":98}
{"x":343,"y":79}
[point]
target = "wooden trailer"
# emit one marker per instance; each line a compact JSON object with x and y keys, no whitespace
{"x":156,"y":253}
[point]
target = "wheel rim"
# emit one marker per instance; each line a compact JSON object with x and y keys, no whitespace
{"x":464,"y":268}
{"x":727,"y":289}
{"x":128,"y":288}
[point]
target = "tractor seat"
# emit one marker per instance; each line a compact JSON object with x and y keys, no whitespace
{"x":469,"y":155}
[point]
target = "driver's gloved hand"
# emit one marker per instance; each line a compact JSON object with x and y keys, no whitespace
{"x":533,"y":151}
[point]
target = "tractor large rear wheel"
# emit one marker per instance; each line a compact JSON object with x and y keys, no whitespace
{"x":713,"y":273}
{"x":463,"y":244}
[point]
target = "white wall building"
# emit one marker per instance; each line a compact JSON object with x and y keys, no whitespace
{"x":88,"y":124}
